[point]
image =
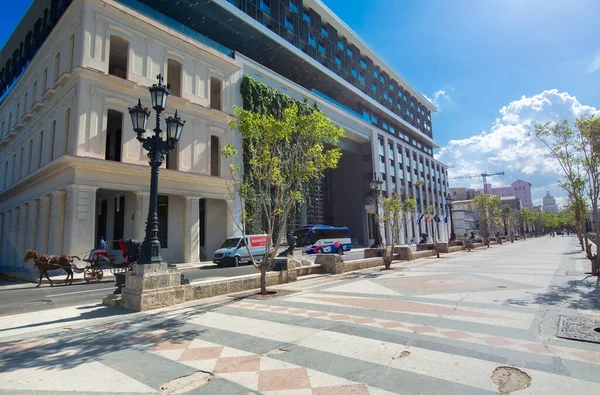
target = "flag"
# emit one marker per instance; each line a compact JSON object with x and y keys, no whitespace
{"x":446,"y":220}
{"x":428,"y":218}
{"x":437,"y":219}
{"x":420,"y":218}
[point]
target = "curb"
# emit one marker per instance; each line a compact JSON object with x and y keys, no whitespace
{"x":35,"y":279}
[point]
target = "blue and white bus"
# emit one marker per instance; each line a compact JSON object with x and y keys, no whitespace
{"x":319,"y":239}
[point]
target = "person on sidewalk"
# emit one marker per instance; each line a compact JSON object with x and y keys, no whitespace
{"x":101,"y":248}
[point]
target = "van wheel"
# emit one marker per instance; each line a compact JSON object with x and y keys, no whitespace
{"x":236,"y":262}
{"x":340,"y":250}
{"x":320,"y":251}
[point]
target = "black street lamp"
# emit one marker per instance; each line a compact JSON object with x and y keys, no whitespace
{"x":157,"y":145}
{"x":376,"y":187}
{"x":449,"y":201}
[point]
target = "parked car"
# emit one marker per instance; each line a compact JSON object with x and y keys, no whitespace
{"x":233,"y":251}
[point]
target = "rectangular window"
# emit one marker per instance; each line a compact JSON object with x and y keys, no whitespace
{"x":361,"y":78}
{"x":349,"y":52}
{"x":374,"y":87}
{"x":66,"y":137}
{"x":324,"y":32}
{"x":215,"y":93}
{"x":306,"y":17}
{"x":56,"y":66}
{"x":311,"y":40}
{"x":293,"y":7}
{"x":41,"y":149}
{"x":265,"y":5}
{"x":375,"y":74}
{"x":354,"y":72}
{"x":117,"y":58}
{"x":288,"y":24}
{"x":114,"y":134}
{"x":363,"y":64}
{"x":71,"y":51}
{"x":338,"y":61}
{"x":174,"y":76}
{"x":215,"y":156}
{"x":381,"y":79}
{"x":119,"y":221}
{"x":29,"y":169}
{"x":341,"y":45}
{"x":322,"y":49}
{"x":163,"y":220}
{"x":391,"y":87}
{"x":52,"y":138}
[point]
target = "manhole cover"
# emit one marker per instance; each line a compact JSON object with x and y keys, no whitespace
{"x":579,"y":328}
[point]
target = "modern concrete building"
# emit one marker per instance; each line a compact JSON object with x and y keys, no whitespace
{"x":549,"y":204}
{"x":72,"y":170}
{"x":464,"y":218}
{"x":71,"y":167}
{"x":519,"y":188}
{"x":464,"y":193}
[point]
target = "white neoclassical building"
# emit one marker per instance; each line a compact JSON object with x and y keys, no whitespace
{"x":71,"y":168}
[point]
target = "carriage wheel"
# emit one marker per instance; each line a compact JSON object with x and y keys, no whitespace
{"x":93,"y":274}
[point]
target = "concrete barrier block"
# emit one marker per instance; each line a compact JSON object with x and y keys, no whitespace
{"x":219,"y":288}
{"x":443,"y":247}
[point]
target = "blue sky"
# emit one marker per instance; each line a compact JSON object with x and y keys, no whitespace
{"x":537,"y":59}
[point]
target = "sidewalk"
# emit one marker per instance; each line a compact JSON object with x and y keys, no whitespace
{"x":460,"y":324}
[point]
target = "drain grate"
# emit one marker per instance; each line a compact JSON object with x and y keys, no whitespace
{"x":579,"y":328}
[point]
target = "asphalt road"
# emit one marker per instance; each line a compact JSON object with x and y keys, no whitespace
{"x":19,"y":297}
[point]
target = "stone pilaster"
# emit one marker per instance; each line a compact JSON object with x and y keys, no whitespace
{"x":22,"y":231}
{"x":142,"y":201}
{"x":80,"y":208}
{"x":12,"y":241}
{"x":191,"y":230}
{"x":32,"y":219}
{"x":43,"y":225}
{"x":57,"y":222}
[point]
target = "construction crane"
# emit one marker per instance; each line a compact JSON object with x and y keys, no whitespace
{"x":483,"y":175}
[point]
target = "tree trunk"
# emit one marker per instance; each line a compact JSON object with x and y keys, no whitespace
{"x":263,"y":279}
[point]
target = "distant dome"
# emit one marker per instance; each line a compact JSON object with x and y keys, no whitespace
{"x":549,"y":204}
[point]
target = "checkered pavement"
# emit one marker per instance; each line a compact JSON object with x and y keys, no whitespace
{"x":464,"y":336}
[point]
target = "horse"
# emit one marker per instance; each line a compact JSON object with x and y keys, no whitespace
{"x":46,"y":262}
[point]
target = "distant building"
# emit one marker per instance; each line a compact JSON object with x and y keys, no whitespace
{"x":464,"y":218}
{"x":537,"y":208}
{"x":464,"y":193}
{"x":513,"y":201}
{"x":520,"y":189}
{"x":549,"y":204}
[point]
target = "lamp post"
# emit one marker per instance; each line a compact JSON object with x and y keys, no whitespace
{"x":157,"y":145}
{"x":376,"y":186}
{"x":449,"y":201}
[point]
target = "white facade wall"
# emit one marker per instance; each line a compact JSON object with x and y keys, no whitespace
{"x":54,"y":128}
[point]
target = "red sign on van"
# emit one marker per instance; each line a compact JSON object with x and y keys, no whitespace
{"x":258,"y":241}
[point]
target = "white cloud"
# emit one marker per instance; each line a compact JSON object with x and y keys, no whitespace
{"x":595,"y":65}
{"x":508,"y":146}
{"x":438,"y":96}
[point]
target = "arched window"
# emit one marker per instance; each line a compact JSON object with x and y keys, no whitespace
{"x":117,"y":57}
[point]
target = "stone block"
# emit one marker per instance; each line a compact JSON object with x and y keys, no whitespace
{"x":330,"y":263}
{"x":112,"y":300}
{"x":188,"y":292}
{"x":443,"y":248}
{"x":403,"y":253}
{"x":219,"y":288}
{"x":235,"y":286}
{"x":372,"y":253}
{"x":272,"y":279}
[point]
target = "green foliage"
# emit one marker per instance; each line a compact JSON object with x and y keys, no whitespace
{"x":281,"y":155}
{"x":487,"y":209}
{"x":394,"y":214}
{"x":264,"y":100}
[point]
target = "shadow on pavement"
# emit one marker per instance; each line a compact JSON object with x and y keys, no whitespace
{"x":580,"y":294}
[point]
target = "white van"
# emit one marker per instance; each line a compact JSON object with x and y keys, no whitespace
{"x":234,"y":251}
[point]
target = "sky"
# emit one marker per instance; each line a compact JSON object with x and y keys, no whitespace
{"x":493,"y":68}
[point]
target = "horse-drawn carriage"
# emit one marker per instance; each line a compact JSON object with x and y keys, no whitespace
{"x":91,"y":266}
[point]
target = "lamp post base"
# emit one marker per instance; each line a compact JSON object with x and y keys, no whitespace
{"x":150,"y":253}
{"x":152,"y":286}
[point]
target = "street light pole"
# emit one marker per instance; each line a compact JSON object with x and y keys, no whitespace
{"x":157,"y":145}
{"x":449,"y":203}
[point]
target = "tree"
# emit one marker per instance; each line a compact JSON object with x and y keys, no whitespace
{"x":523,"y":216}
{"x":394,"y":218}
{"x":281,"y":157}
{"x":487,"y":209}
{"x":577,"y":152}
{"x":507,"y":215}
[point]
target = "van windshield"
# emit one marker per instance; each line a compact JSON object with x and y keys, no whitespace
{"x":231,"y":243}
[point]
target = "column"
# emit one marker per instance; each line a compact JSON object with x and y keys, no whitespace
{"x":79,"y":219}
{"x":32,"y":219}
{"x":191,"y":229}
{"x":57,"y":222}
{"x":21,"y":232}
{"x":142,"y":201}
{"x":43,"y":225}
{"x":5,"y":238}
{"x":2,"y":237}
{"x":12,"y":231}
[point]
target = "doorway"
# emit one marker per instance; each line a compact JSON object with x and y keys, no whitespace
{"x":101,"y":221}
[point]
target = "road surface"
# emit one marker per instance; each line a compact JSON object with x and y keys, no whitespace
{"x":18,"y":297}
